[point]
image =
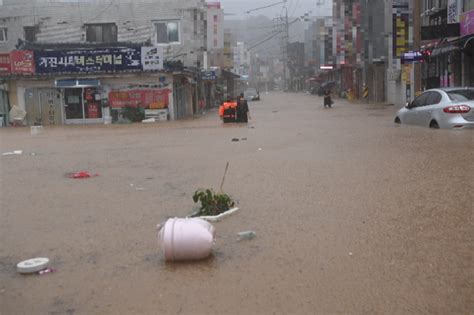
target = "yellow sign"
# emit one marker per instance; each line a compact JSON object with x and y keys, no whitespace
{"x":406,"y":74}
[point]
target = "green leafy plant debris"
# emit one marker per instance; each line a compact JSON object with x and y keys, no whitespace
{"x":212,"y":203}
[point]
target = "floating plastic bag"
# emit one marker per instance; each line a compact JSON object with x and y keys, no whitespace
{"x":17,"y":114}
{"x":81,"y":174}
{"x":186,"y":239}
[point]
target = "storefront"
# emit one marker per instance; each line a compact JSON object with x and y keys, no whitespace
{"x":82,"y":100}
{"x":4,"y":106}
{"x":450,"y":64}
{"x":5,"y":72}
{"x":92,"y":99}
{"x":468,"y":61}
{"x":95,"y":85}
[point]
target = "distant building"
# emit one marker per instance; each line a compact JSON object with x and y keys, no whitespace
{"x":319,"y":43}
{"x":215,"y":35}
{"x":241,"y":59}
{"x":296,"y":66}
{"x":228,"y":52}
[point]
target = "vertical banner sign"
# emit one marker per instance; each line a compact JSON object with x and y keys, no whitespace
{"x":5,"y":64}
{"x":23,"y":62}
{"x":454,"y":11}
{"x":406,"y":74}
{"x":401,"y":19}
{"x":152,"y":58}
{"x":467,"y":23}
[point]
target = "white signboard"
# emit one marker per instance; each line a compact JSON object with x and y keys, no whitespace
{"x":454,"y":11}
{"x":152,"y":58}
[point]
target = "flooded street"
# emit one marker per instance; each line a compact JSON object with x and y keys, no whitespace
{"x":353,"y":214}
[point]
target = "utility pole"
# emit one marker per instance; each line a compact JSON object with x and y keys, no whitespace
{"x":417,"y":43}
{"x":283,"y":27}
{"x":286,"y":43}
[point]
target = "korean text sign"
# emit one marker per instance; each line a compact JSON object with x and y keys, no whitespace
{"x":5,"y":64}
{"x":22,"y":62}
{"x":144,"y":98}
{"x":467,"y":23}
{"x":90,"y":60}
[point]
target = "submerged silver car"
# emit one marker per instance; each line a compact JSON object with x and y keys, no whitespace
{"x":252,"y":94}
{"x":451,"y":108}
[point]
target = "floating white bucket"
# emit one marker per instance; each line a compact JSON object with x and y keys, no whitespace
{"x":186,"y":239}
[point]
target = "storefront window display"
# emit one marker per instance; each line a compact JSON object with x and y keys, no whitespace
{"x":82,"y":103}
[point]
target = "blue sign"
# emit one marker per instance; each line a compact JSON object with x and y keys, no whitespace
{"x":209,"y":75}
{"x":90,"y":60}
{"x":412,"y":56}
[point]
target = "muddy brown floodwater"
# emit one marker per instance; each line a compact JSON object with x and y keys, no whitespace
{"x":353,"y":215}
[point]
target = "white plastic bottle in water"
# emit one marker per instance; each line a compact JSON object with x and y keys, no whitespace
{"x":246,"y":235}
{"x":186,"y":239}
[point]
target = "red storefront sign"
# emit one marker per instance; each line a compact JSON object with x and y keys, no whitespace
{"x":145,"y":98}
{"x":5,"y":64}
{"x":22,"y":62}
{"x":93,"y":110}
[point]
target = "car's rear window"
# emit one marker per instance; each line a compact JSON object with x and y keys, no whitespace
{"x":461,"y":95}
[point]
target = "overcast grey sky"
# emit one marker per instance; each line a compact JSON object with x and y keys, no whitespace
{"x":295,"y":7}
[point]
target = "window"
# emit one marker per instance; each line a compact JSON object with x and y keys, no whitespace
{"x":167,"y":32}
{"x":461,"y":95}
{"x":101,"y":33}
{"x":433,"y":98}
{"x":30,"y":33}
{"x":420,"y":100}
{"x":215,"y":19}
{"x":3,"y":34}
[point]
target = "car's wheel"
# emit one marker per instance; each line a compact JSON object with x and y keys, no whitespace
{"x":434,"y":124}
{"x":397,"y":120}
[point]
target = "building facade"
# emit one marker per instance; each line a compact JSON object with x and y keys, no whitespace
{"x":241,"y":59}
{"x":296,"y":66}
{"x":447,"y":35}
{"x":215,"y":35}
{"x":318,"y":44}
{"x":84,"y":61}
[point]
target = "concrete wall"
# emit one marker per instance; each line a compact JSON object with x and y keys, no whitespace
{"x":64,"y":23}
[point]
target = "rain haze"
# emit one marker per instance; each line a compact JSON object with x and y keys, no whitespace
{"x":239,"y":8}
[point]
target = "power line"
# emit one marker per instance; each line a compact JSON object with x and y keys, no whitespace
{"x":260,"y":27}
{"x":266,"y":48}
{"x":265,"y":40}
{"x":265,"y":7}
{"x":261,"y":37}
{"x":296,"y":7}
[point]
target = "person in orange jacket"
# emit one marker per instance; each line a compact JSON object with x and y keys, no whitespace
{"x":228,"y":111}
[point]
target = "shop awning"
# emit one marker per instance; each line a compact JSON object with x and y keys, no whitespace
{"x":438,"y":51}
{"x":468,"y":40}
{"x":448,"y":46}
{"x":230,"y":74}
{"x":71,"y":83}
